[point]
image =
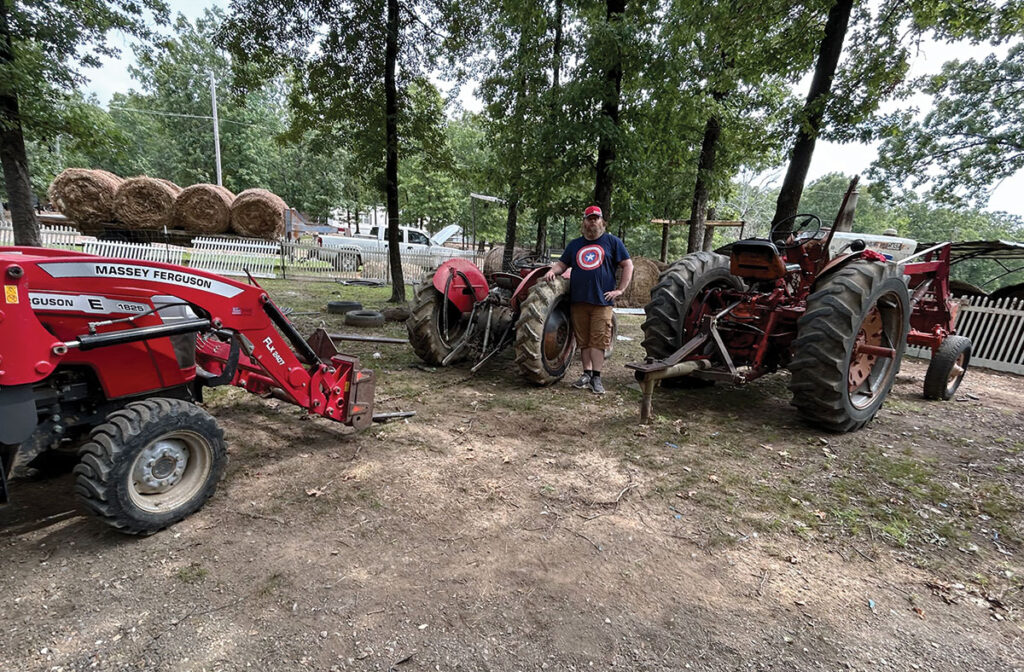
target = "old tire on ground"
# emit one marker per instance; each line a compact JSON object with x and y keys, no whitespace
{"x":544,"y":340}
{"x":947,"y":368}
{"x":364,"y":318}
{"x":342,"y":307}
{"x":835,"y":385}
{"x":670,"y":320}
{"x":425,"y":325}
{"x":151,"y":464}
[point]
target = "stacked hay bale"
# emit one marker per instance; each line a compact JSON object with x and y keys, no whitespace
{"x":645,"y":277}
{"x":203,"y":209}
{"x":492,"y":261}
{"x":85,"y":196}
{"x":145,"y":202}
{"x":258,"y":213}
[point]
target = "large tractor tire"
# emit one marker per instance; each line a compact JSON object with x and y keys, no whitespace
{"x":151,"y":464}
{"x":426,"y":324}
{"x":545,"y":343}
{"x":836,"y":385}
{"x":681,"y":286}
{"x":947,"y":368}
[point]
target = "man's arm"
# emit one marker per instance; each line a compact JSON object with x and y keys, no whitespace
{"x":560,"y":267}
{"x":627,"y":274}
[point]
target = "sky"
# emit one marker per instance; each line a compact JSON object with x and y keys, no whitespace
{"x":850,"y":159}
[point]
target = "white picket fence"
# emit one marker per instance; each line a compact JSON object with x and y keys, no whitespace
{"x":236,"y":256}
{"x":168,"y":254}
{"x":996,"y":330}
{"x":61,"y":237}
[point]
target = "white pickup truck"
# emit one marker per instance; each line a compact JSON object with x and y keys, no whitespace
{"x":354,"y":249}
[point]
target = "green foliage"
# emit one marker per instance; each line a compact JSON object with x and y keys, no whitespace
{"x":971,"y":139}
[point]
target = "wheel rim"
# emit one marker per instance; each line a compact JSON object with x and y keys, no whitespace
{"x":956,"y":374}
{"x":170,"y":471}
{"x":557,"y":340}
{"x":703,"y":297}
{"x":872,"y":358}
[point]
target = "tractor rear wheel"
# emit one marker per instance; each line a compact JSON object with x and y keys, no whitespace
{"x":675,"y":301}
{"x":947,"y":368}
{"x":426,"y":325}
{"x":151,"y":464}
{"x":849,"y":346}
{"x":545,"y":344}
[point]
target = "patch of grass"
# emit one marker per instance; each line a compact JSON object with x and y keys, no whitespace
{"x":192,"y":574}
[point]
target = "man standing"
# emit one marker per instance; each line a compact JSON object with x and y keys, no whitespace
{"x":593,"y":258}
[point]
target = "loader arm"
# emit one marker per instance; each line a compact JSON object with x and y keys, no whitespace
{"x":58,"y":303}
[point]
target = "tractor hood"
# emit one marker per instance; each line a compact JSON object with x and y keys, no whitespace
{"x":893,"y":248}
{"x":442,"y":236}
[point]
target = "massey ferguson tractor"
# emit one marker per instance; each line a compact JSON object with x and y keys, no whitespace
{"x":460,"y":314}
{"x":836,"y":309}
{"x":106,"y":359}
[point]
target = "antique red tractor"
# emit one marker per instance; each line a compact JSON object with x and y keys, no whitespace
{"x":106,"y":358}
{"x":460,"y":314}
{"x":835,"y":310}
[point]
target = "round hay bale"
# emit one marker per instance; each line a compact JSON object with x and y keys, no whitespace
{"x":645,"y":277}
{"x":145,"y":202}
{"x":492,"y":261}
{"x":86,"y":197}
{"x":203,"y":208}
{"x":258,"y":213}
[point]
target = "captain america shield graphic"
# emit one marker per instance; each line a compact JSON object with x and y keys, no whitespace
{"x":590,"y":257}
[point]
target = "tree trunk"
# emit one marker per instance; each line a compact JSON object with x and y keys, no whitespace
{"x":391,"y":160}
{"x":609,"y":110}
{"x":12,"y":150}
{"x":810,"y":117}
{"x":705,"y":170}
{"x":510,"y":232}
{"x":542,"y":235}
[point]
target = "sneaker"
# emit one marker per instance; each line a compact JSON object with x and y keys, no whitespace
{"x":596,"y":385}
{"x":583,"y":382}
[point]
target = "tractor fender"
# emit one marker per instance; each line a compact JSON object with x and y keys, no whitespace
{"x":528,"y":281}
{"x":838,"y":263}
{"x":463,"y":282}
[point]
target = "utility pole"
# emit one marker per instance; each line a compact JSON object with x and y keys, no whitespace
{"x":216,"y":129}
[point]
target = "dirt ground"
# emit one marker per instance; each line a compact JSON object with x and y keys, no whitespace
{"x":507,"y":527}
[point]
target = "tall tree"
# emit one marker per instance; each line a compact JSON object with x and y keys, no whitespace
{"x":353,"y":84}
{"x":42,"y":47}
{"x":610,"y":50}
{"x":972,"y":137}
{"x":809,"y":120}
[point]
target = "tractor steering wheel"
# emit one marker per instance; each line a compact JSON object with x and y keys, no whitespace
{"x":792,"y":232}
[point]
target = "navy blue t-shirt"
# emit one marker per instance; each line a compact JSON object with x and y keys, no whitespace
{"x":593,"y":264}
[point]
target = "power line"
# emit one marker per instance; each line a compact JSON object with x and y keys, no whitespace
{"x":175,"y":114}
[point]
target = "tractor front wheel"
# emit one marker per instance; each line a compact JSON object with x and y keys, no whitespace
{"x":545,"y":344}
{"x":435,"y":324}
{"x":849,"y":346}
{"x":947,"y":368}
{"x":151,"y":464}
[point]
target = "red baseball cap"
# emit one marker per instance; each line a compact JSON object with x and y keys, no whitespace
{"x":591,"y":211}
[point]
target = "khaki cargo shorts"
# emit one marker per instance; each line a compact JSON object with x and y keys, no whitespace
{"x":592,"y":325}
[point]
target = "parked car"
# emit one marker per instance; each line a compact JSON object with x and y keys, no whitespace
{"x":413,"y":241}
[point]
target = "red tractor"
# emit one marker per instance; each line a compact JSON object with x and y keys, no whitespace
{"x":106,"y":359}
{"x":459,"y":314}
{"x":822,"y":304}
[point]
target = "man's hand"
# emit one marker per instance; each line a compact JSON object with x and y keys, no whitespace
{"x":612,"y":295}
{"x":549,"y":276}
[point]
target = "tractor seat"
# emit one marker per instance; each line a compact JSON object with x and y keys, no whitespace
{"x":507,"y":281}
{"x":756,"y":260}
